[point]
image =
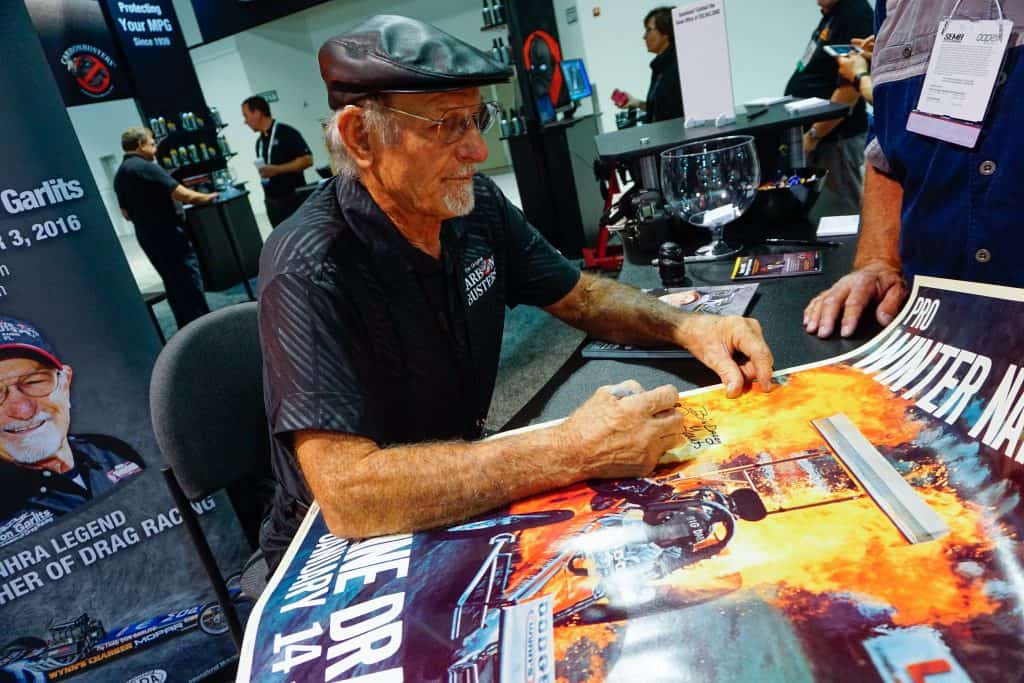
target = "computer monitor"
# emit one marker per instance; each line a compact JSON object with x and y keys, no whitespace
{"x":576,"y":81}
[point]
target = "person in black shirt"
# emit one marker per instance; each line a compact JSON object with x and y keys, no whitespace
{"x":664,"y":96}
{"x":382,"y":304}
{"x":281,"y":156}
{"x":836,"y":145}
{"x":148,"y":197}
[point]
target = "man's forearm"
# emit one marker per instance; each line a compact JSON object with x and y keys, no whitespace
{"x":615,"y":312}
{"x":879,"y":239}
{"x":845,"y":94}
{"x":297,"y":164}
{"x":413,"y":487}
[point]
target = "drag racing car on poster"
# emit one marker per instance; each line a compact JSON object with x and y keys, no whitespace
{"x":606,"y":569}
{"x":74,"y":645}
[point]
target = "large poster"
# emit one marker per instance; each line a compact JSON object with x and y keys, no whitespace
{"x":859,"y":523}
{"x":97,"y":578}
{"x":86,"y":64}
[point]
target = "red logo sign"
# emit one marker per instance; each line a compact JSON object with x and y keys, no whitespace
{"x":91,"y":68}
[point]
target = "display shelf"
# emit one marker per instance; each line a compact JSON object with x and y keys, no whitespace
{"x":503,"y":26}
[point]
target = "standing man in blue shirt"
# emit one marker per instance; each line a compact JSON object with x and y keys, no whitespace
{"x":931,"y":207}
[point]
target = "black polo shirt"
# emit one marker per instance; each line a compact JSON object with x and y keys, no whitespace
{"x":288,"y":146}
{"x":364,"y":334}
{"x":819,"y":76}
{"x":665,"y":94}
{"x":144,"y":190}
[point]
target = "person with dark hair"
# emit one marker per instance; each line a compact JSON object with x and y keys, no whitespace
{"x":665,"y":95}
{"x":281,"y":157}
{"x":46,"y":472}
{"x":382,"y":303}
{"x":149,"y":196}
{"x":836,"y":145}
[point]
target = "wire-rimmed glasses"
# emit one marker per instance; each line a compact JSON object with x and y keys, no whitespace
{"x":455,"y":123}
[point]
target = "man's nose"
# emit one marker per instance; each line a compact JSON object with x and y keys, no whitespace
{"x":471,"y":147}
{"x":18,"y":405}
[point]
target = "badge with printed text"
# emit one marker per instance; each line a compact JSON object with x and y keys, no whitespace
{"x":962,"y":72}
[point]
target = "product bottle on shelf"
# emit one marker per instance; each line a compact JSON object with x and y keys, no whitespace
{"x":215,"y":115}
{"x":161,"y":127}
{"x":488,"y":14}
{"x":222,"y":143}
{"x":503,"y":127}
{"x":174,"y":159}
{"x":193,"y":153}
{"x":498,"y":11}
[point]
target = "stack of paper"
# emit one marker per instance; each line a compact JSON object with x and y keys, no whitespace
{"x":805,"y":105}
{"x":762,"y":102}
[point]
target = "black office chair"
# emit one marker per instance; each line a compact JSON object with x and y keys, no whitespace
{"x":206,"y":400}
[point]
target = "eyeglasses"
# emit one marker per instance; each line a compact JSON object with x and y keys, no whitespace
{"x":35,"y":384}
{"x":455,"y":123}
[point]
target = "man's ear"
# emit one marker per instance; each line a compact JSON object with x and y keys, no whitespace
{"x":353,"y":132}
{"x":68,"y":373}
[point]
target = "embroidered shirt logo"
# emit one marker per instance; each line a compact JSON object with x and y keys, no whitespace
{"x":480,"y":277}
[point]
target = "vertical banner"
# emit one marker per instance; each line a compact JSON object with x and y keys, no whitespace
{"x":150,"y":37}
{"x":85,"y":61}
{"x":705,"y":72}
{"x":97,"y":579}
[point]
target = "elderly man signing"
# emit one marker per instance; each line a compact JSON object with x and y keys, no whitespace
{"x":382,"y":306}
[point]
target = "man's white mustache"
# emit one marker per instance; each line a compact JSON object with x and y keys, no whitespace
{"x":37,"y":419}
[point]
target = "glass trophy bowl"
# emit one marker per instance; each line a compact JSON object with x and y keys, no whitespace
{"x":711,"y":183}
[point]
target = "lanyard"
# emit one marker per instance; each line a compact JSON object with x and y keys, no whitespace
{"x":270,"y":144}
{"x":952,"y":15}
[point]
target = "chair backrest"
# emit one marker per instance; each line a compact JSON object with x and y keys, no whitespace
{"x":206,"y":400}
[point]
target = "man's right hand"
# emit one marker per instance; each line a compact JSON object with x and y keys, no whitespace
{"x":847,"y":299}
{"x":622,"y":430}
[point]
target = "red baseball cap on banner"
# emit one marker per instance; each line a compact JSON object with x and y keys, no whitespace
{"x":20,"y":338}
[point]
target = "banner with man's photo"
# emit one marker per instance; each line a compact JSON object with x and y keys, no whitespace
{"x":98,"y":580}
{"x":861,"y":522}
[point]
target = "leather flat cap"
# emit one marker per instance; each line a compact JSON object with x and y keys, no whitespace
{"x":393,"y":54}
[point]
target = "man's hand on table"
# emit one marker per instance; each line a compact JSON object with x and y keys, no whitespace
{"x":733,"y":347}
{"x":622,"y":430}
{"x":847,"y":299}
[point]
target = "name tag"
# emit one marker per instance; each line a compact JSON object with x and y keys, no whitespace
{"x":962,"y":72}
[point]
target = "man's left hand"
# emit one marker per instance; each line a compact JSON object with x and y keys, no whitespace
{"x":733,"y":347}
{"x":810,"y":144}
{"x":851,"y":65}
{"x":268,"y":171}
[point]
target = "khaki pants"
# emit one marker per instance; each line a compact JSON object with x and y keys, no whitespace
{"x":844,"y":159}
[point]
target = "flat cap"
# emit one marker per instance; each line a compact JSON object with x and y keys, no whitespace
{"x":393,"y":54}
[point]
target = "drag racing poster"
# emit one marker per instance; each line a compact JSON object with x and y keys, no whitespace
{"x":98,"y":581}
{"x":859,"y":523}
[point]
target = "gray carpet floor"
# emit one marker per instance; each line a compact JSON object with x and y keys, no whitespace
{"x":534,"y":346}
